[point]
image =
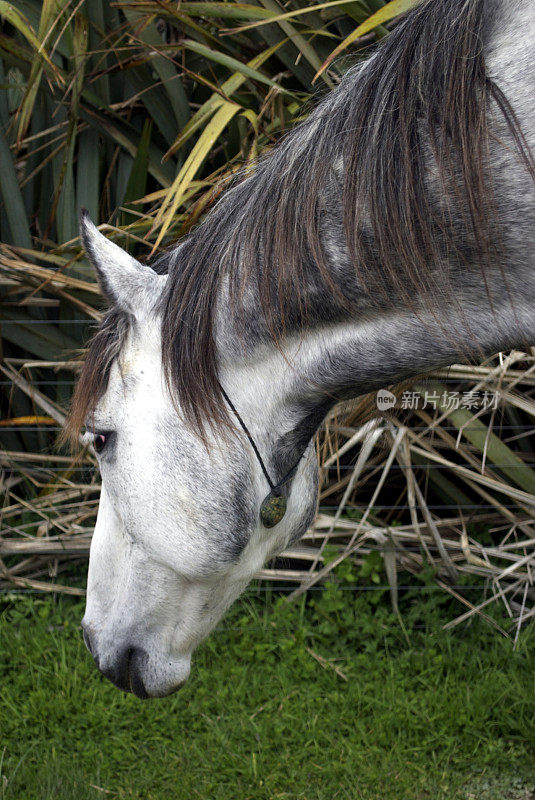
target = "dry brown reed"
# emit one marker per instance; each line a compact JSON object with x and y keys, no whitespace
{"x":452,"y":488}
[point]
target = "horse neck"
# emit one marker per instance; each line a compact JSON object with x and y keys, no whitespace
{"x":284,"y":391}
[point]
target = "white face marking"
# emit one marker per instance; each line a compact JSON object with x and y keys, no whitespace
{"x":178,"y":535}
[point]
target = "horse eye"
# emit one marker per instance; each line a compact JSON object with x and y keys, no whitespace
{"x":99,"y":441}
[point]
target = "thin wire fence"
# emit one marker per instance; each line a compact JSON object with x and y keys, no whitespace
{"x":436,"y":487}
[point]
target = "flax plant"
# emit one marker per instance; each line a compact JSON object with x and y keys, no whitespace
{"x":138,"y":111}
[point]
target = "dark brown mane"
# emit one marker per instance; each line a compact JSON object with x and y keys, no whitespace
{"x":104,"y":348}
{"x":423,"y":96}
{"x":421,"y":101}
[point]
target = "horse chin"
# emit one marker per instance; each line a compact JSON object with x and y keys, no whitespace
{"x":152,"y":678}
{"x":143,"y":692}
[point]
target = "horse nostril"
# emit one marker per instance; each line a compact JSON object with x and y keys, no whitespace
{"x":87,"y":638}
{"x":87,"y":641}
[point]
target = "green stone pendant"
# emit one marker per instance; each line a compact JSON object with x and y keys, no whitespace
{"x":272,"y":510}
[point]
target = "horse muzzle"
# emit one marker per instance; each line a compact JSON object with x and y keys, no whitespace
{"x":132,"y":668}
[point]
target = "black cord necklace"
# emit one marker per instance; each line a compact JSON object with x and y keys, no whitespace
{"x":273,"y":507}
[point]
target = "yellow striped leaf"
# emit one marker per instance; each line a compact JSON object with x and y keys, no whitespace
{"x":388,"y":12}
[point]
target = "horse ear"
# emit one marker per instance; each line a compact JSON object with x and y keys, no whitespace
{"x":123,"y":280}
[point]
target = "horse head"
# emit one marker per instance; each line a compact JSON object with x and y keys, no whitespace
{"x":179,"y":532}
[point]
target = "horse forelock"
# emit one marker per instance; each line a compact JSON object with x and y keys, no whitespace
{"x":104,"y":348}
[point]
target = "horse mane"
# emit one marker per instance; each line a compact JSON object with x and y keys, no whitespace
{"x":420,"y":102}
{"x":422,"y":96}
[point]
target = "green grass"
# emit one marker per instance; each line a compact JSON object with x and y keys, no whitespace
{"x":423,"y":714}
